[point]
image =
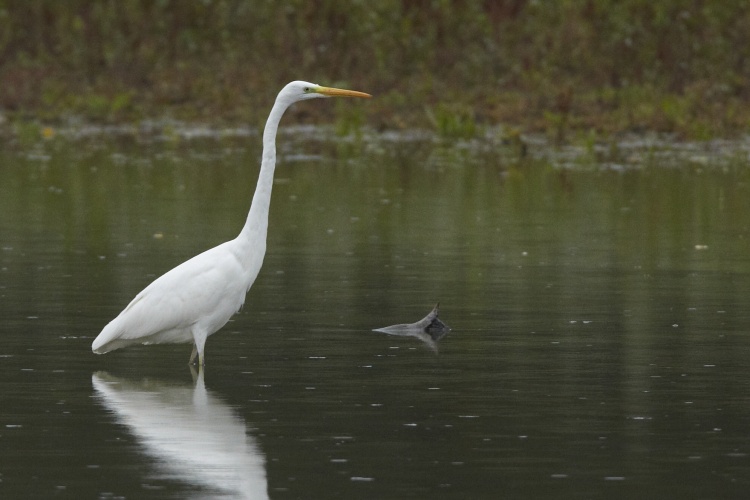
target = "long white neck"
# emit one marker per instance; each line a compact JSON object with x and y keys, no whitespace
{"x":256,"y":225}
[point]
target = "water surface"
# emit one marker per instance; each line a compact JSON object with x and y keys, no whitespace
{"x":598,"y":306}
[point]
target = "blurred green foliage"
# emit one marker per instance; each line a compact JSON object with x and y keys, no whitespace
{"x":608,"y":65}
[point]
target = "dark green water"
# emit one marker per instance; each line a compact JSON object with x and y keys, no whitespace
{"x":600,"y":319}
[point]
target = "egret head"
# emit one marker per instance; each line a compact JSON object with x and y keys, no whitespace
{"x":300,"y":91}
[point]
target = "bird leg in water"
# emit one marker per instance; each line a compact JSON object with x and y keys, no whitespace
{"x":196,"y":374}
{"x":193,"y":355}
{"x":199,"y":343}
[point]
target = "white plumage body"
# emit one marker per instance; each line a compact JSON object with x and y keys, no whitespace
{"x":217,"y":287}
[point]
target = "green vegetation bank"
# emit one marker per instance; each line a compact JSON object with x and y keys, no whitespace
{"x":602,"y":66}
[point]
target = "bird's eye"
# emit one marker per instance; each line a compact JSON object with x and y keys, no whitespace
{"x":307,"y":90}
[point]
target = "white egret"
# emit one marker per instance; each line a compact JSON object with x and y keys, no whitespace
{"x":197,"y":298}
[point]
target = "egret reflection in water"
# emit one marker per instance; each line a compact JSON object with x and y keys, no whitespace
{"x":195,"y":436}
{"x":429,"y":329}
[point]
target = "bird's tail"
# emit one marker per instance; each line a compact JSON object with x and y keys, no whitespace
{"x":107,"y":340}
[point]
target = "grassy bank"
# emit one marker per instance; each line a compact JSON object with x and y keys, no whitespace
{"x":606,"y":66}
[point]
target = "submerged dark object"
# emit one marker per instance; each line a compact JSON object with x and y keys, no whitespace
{"x":430,"y":327}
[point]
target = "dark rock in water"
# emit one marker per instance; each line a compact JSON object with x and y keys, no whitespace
{"x":430,"y":325}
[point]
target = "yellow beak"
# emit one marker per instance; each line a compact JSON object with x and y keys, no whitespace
{"x":331,"y":92}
